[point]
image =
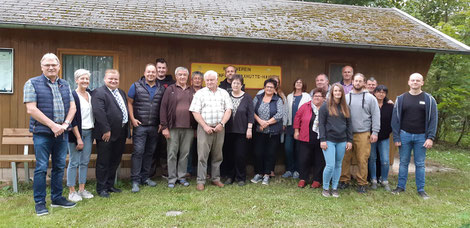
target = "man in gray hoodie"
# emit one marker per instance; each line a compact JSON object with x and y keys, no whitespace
{"x":365,"y":118}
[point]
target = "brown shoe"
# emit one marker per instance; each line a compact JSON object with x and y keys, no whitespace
{"x":200,"y":187}
{"x":218,"y":184}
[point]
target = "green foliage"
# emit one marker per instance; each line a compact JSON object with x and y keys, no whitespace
{"x":448,"y":79}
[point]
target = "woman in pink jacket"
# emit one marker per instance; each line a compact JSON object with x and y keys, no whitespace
{"x":306,"y":131}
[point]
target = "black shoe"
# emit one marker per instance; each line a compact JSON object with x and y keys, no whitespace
{"x":423,"y":195}
{"x":343,"y":185}
{"x":241,"y":183}
{"x":115,"y":190}
{"x":62,"y":202}
{"x":228,"y":181}
{"x":397,"y":191}
{"x":41,"y":209}
{"x":104,"y":194}
{"x":361,"y":189}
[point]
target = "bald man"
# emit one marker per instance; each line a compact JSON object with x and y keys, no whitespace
{"x":414,"y":124}
{"x":347,"y":81}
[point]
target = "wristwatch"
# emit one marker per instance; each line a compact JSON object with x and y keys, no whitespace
{"x":67,"y":122}
{"x":223,"y":125}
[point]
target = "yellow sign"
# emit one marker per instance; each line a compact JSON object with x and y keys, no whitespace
{"x":253,"y":75}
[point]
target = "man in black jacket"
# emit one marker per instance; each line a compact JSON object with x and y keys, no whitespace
{"x":227,"y":83}
{"x":160,"y":155}
{"x":145,"y":97}
{"x":111,"y":130}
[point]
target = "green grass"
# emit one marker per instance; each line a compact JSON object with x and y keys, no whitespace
{"x":280,"y":204}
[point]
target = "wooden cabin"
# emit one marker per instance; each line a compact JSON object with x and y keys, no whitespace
{"x":304,"y":39}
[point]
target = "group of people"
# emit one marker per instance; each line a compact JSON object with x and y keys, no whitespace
{"x":323,"y":131}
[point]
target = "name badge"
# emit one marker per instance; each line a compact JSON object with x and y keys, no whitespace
{"x":422,"y":103}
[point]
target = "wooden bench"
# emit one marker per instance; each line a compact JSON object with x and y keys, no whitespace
{"x":22,"y":136}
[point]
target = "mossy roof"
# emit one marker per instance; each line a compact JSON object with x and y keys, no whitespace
{"x":245,"y":20}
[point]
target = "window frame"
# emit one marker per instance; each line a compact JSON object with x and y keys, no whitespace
{"x":67,"y":51}
{"x":12,"y":76}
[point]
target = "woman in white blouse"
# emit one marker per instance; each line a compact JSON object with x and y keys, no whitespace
{"x":81,"y":141}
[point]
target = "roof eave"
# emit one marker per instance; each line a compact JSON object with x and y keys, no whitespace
{"x":233,"y":39}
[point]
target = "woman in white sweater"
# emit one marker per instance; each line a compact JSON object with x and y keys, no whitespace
{"x":297,"y":98}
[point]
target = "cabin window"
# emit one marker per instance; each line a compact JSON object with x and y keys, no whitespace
{"x":6,"y":70}
{"x":95,"y":61}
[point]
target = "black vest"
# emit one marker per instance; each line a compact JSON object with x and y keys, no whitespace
{"x":146,"y":109}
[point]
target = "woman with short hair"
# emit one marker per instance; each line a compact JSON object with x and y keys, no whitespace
{"x":269,"y":111}
{"x":239,"y":131}
{"x":81,"y":141}
{"x":382,"y":146}
{"x":306,"y":132}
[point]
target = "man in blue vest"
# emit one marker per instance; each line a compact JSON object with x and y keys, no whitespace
{"x":49,"y":101}
{"x":144,"y":101}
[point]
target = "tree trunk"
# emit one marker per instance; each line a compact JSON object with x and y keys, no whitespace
{"x":462,"y":132}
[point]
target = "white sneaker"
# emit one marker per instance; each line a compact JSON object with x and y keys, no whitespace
{"x":265,"y":180}
{"x":74,"y":197}
{"x":296,"y":175}
{"x":256,"y":178}
{"x":85,"y":194}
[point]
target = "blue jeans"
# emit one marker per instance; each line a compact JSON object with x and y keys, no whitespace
{"x":334,"y":158}
{"x":79,"y":159}
{"x":291,"y":147}
{"x":412,"y":142}
{"x":46,"y":145}
{"x":383,"y":146}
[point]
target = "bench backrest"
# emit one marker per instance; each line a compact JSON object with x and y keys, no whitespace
{"x":17,"y":136}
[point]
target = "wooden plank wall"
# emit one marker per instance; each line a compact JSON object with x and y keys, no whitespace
{"x":391,"y":68}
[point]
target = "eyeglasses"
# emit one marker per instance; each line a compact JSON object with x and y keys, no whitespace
{"x":318,"y":96}
{"x":50,"y":65}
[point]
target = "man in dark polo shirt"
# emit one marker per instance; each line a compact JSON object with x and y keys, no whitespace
{"x":144,"y":101}
{"x":178,"y":126}
{"x":414,"y":124}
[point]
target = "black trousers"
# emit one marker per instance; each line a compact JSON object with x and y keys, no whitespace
{"x":108,"y":160}
{"x":159,"y":157}
{"x":144,"y":139}
{"x":234,"y":161}
{"x":266,"y":146}
{"x":311,"y":156}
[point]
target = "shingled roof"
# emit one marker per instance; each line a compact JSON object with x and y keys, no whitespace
{"x":276,"y":21}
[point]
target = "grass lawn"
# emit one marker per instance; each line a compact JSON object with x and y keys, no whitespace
{"x":279,"y":204}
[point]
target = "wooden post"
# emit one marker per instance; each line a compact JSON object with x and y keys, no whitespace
{"x":14,"y":177}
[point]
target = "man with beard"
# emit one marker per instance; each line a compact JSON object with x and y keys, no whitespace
{"x":227,"y":83}
{"x":365,"y":118}
{"x":160,"y":155}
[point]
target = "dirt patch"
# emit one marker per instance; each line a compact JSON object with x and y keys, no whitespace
{"x":431,"y":167}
